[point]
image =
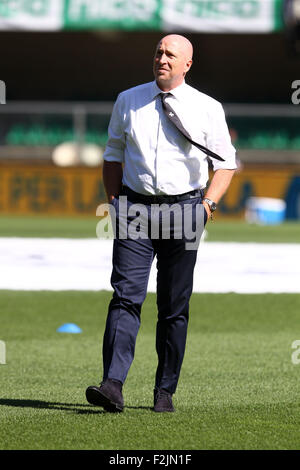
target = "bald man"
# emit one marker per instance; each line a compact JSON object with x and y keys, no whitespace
{"x":173,"y":59}
{"x":161,"y":135}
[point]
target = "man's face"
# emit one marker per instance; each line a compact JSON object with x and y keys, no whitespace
{"x":171,"y":62}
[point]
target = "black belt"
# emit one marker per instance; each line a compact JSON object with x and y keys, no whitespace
{"x":162,"y":198}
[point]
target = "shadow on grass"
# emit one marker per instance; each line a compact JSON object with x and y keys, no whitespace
{"x":79,"y":408}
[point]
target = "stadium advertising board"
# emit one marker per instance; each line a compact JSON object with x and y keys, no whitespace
{"x":43,"y":189}
{"x":186,"y":15}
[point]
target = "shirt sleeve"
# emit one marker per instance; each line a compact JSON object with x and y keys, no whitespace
{"x":114,"y":150}
{"x":219,"y":141}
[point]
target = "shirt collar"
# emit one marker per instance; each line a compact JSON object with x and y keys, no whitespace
{"x":177,"y":92}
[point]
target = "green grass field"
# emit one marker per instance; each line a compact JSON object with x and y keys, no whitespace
{"x":238,"y":388}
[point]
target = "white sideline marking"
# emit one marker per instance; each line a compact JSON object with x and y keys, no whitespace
{"x":85,"y":264}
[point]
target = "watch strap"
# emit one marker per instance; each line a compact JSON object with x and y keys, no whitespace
{"x":212,"y":204}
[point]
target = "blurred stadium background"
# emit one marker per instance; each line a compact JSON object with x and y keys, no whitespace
{"x":64,"y":62}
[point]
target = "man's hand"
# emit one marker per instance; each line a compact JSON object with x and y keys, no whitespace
{"x":207,"y":208}
{"x":112,"y":179}
{"x":217,"y":188}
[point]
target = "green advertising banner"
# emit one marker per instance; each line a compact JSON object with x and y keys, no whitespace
{"x":221,"y":15}
{"x":164,"y":15}
{"x":112,"y":14}
{"x":31,"y":15}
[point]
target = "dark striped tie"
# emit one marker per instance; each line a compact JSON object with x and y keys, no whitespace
{"x":170,"y":113}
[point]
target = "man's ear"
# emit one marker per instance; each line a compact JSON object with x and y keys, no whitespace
{"x":188,"y":65}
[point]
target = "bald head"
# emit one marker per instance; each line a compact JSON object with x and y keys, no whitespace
{"x":172,"y":60}
{"x":181,"y":42}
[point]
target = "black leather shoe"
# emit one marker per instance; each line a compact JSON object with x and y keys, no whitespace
{"x":108,"y":395}
{"x":162,"y":401}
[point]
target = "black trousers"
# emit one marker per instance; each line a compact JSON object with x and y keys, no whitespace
{"x":132,"y":260}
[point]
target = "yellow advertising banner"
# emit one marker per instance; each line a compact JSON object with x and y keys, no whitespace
{"x":43,"y":189}
{"x":270,"y":181}
{"x":52,"y":190}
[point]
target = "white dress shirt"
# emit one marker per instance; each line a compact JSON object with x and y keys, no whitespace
{"x":157,"y":158}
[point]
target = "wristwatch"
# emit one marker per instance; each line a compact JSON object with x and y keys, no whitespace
{"x":212,"y":204}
